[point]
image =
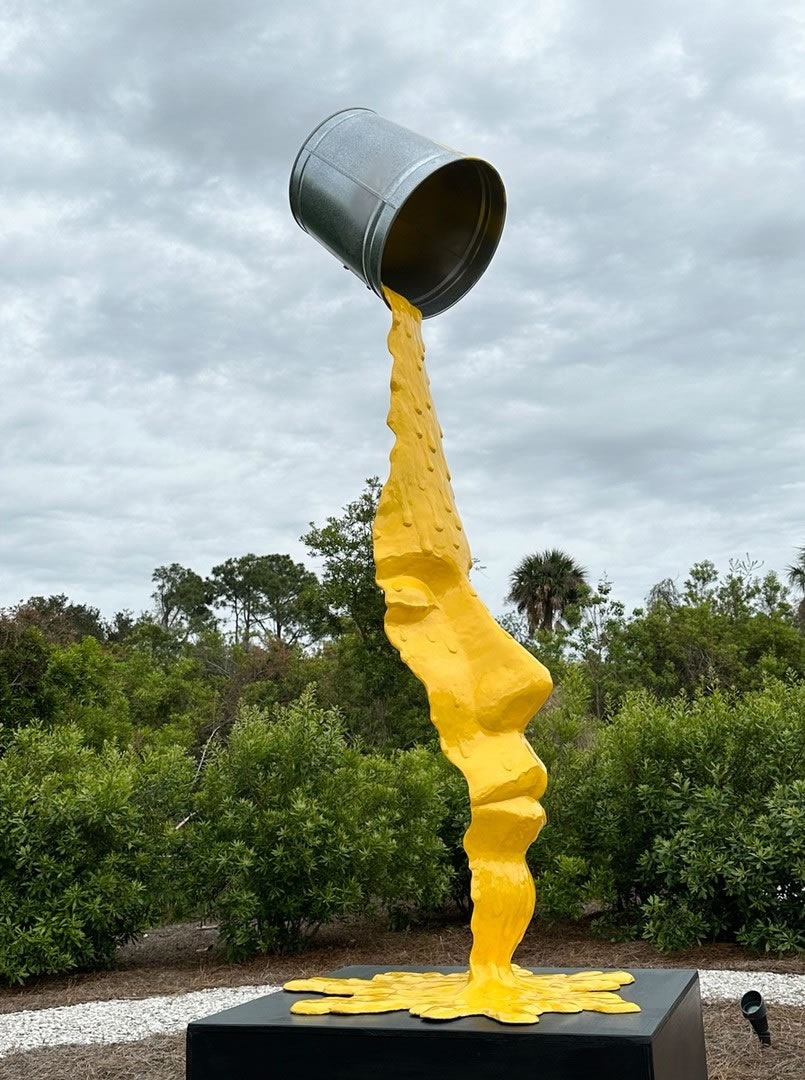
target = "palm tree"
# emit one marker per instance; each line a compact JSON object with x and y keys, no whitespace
{"x":543,"y":585}
{"x":796,"y":578}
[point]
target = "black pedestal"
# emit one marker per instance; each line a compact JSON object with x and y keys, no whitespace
{"x":262,"y":1039}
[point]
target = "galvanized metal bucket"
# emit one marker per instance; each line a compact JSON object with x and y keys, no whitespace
{"x":398,"y":209}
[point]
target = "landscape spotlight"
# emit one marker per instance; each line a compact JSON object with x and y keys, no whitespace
{"x":753,"y":1008}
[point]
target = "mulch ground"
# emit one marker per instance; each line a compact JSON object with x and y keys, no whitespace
{"x":733,"y":1053}
{"x":182,"y":958}
{"x":176,"y":959}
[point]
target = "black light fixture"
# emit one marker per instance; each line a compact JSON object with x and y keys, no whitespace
{"x":753,"y":1009}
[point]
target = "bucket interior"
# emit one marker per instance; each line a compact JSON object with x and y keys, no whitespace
{"x":444,"y":235}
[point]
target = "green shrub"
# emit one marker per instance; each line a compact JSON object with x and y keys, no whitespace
{"x":24,"y":659}
{"x":739,"y":869}
{"x":85,"y":843}
{"x":168,"y":700}
{"x":686,"y":820}
{"x":563,"y":734}
{"x":86,"y":688}
{"x":296,"y":828}
{"x":454,"y":824}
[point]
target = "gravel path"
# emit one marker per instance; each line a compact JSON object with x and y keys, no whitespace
{"x":731,"y":985}
{"x":127,"y":1021}
{"x":117,"y":1021}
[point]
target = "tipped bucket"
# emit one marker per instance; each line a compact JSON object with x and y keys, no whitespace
{"x":397,"y":209}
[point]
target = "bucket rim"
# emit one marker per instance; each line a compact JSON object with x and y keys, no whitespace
{"x":431,"y":301}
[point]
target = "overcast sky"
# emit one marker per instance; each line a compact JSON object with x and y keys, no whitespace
{"x":185,"y":375}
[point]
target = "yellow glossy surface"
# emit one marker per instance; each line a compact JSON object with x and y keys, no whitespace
{"x":483,"y":689}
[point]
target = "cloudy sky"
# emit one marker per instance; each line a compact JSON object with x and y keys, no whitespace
{"x":185,"y":375}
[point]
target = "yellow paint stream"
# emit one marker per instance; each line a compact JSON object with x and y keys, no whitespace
{"x":483,"y":689}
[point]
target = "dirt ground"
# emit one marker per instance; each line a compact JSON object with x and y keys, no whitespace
{"x":176,"y":959}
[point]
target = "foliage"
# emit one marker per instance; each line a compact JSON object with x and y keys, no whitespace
{"x":455,"y":822}
{"x":715,"y":632}
{"x":547,"y":586}
{"x":85,"y":688}
{"x":60,"y":621}
{"x":719,"y":633}
{"x":147,"y":689}
{"x":292,"y":609}
{"x":237,"y":585}
{"x":24,"y":659}
{"x":169,"y":700}
{"x":675,"y":795}
{"x":599,"y":626}
{"x":296,"y":828}
{"x":796,"y":571}
{"x":383,"y":704}
{"x":86,"y":838}
{"x":796,"y":579}
{"x":271,"y":593}
{"x":686,"y":819}
{"x":63,"y":622}
{"x":348,"y":581}
{"x":275,"y":674}
{"x":386,"y":705}
{"x":182,"y":598}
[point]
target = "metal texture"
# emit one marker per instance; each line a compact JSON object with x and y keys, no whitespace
{"x":397,"y":209}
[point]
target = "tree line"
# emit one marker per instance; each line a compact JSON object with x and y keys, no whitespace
{"x":259,"y":628}
{"x":254,"y":749}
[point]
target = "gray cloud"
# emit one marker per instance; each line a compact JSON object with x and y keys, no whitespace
{"x":186,"y":376}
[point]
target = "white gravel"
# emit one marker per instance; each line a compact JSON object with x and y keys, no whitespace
{"x":732,"y":985}
{"x":118,"y":1020}
{"x":130,"y":1020}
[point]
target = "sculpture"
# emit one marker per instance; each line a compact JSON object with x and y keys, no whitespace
{"x":483,"y":688}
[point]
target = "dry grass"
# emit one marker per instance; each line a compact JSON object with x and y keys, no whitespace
{"x":733,"y":1053}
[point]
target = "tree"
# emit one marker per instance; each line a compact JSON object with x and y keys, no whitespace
{"x":740,"y":593}
{"x":603,"y":619}
{"x":700,"y":583}
{"x":796,"y":579}
{"x":544,"y":586}
{"x":60,"y":621}
{"x":663,"y":596}
{"x":24,"y":659}
{"x":348,"y":584}
{"x":384,"y":701}
{"x":796,"y":572}
{"x":290,"y":606}
{"x":296,"y":828}
{"x":271,"y":592}
{"x":88,"y":847}
{"x":726,"y":632}
{"x":182,"y":598}
{"x":121,"y":626}
{"x":236,"y":588}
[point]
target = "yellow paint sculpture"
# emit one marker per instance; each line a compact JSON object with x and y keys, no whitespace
{"x":483,"y":689}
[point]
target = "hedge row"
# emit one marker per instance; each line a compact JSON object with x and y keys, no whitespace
{"x":680,"y":821}
{"x":684,"y":822}
{"x":284,"y":828}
